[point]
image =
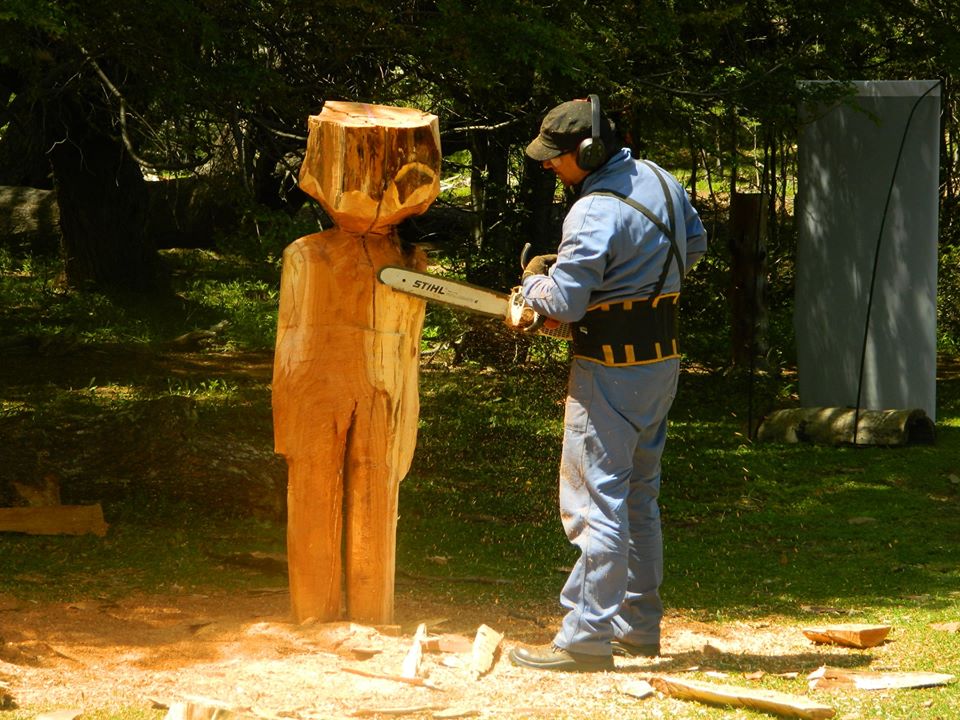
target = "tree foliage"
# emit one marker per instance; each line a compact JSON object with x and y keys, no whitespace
{"x":172,"y":86}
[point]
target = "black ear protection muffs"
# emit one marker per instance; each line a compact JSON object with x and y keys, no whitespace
{"x":592,"y":152}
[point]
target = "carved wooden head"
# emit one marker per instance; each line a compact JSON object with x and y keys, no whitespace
{"x":371,"y":166}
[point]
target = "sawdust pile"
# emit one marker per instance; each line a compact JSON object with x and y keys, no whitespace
{"x":242,"y":652}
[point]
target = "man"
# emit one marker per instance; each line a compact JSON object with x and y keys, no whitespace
{"x":627,"y":243}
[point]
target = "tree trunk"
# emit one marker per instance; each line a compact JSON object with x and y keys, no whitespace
{"x":345,"y":396}
{"x":23,"y":159}
{"x":748,"y":274}
{"x":542,"y":228}
{"x":103,"y":206}
{"x":496,"y":264}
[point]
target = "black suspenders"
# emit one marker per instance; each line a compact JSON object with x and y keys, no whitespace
{"x":635,"y":332}
{"x":669,"y":229}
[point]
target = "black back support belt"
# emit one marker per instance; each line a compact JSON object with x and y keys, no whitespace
{"x":632,"y":332}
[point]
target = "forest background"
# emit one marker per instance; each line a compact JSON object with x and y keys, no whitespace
{"x":209,"y":101}
{"x":149,"y":154}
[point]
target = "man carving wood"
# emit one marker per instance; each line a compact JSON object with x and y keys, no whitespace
{"x":345,"y":396}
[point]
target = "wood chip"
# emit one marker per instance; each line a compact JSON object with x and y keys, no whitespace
{"x":363,"y":652}
{"x":60,"y":715}
{"x":827,"y":678}
{"x":636,"y":688}
{"x":450,"y":713}
{"x":431,"y":623}
{"x":448,"y":644}
{"x":411,"y":663}
{"x":851,"y":634}
{"x":486,"y":645}
{"x":950,"y":627}
{"x":753,"y":698}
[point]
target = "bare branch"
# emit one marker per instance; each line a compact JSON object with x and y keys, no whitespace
{"x":124,"y":134}
{"x":481,"y":128}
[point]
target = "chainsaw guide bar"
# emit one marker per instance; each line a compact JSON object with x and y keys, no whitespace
{"x":460,"y":295}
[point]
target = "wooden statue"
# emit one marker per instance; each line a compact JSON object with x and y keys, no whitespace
{"x":345,"y":396}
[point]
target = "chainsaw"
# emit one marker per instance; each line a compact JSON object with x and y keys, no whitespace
{"x":512,"y":308}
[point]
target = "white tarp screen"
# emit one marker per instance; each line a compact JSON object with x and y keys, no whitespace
{"x":847,"y":158}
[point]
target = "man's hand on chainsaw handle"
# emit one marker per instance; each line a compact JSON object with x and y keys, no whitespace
{"x":538,"y":265}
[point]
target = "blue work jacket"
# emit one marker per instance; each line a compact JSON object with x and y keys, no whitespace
{"x":610,"y":251}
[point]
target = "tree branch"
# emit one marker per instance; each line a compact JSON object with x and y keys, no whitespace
{"x":124,"y":134}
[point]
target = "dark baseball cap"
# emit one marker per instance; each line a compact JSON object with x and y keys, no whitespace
{"x":562,"y":130}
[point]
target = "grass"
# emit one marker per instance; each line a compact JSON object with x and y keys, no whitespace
{"x":750,"y":529}
{"x":754,"y":533}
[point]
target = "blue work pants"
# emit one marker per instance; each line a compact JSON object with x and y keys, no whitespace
{"x":615,"y":428}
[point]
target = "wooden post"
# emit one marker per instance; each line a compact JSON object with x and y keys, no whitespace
{"x":748,"y":270}
{"x":345,"y":396}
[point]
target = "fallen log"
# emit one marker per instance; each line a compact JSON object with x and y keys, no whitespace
{"x":844,"y":426}
{"x":54,"y":520}
{"x":753,"y":698}
{"x":850,"y":634}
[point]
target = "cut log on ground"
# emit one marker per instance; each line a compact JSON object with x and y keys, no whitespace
{"x":840,"y":426}
{"x":849,"y":634}
{"x":345,"y":382}
{"x":826,"y":678}
{"x":54,"y":520}
{"x":753,"y":698}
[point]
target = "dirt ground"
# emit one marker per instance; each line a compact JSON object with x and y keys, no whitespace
{"x":242,"y":652}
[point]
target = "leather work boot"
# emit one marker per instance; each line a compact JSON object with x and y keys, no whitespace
{"x":550,"y":657}
{"x":622,"y":648}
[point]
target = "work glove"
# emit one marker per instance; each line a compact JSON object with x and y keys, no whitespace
{"x":538,"y":265}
